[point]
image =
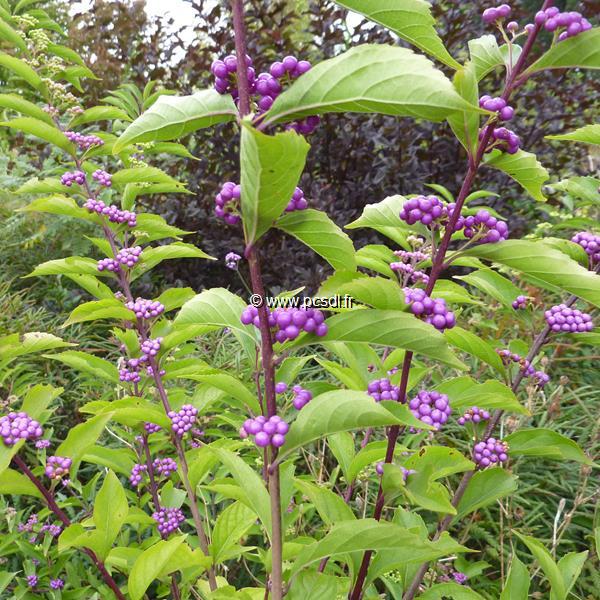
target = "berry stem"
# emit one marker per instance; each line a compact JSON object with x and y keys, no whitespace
{"x":64,"y":519}
{"x":474,"y":163}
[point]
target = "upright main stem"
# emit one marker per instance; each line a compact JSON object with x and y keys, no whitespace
{"x":268,"y":367}
{"x":436,"y":270}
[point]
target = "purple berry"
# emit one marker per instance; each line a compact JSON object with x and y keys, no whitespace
{"x":421,"y":405}
{"x":490,"y":452}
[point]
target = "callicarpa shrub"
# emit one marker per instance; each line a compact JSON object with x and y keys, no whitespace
{"x":345,"y":452}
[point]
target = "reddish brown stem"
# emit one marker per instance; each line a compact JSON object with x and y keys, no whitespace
{"x":64,"y":519}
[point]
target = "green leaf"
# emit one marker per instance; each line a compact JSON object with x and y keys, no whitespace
{"x":270,"y":169}
{"x":172,"y":117}
{"x":484,"y":488}
{"x":142,"y":175}
{"x":475,"y":346}
{"x":368,"y":534}
{"x":443,"y":591}
{"x":341,"y":410}
{"x":256,"y":495}
{"x":371,"y":79}
{"x":315,"y":229}
{"x":546,"y":264}
{"x":490,"y":394}
{"x":517,"y":582}
{"x":589,"y":134}
{"x":493,"y":284}
{"x":583,"y":188}
{"x":129,"y":411}
{"x":369,"y":455}
{"x":74,"y":265}
{"x":58,"y":205}
{"x":15,"y":345}
{"x":42,"y":130}
{"x":44,"y":186}
{"x":411,"y":20}
{"x":384,"y":217}
{"x":82,"y":437}
{"x":523,"y":167}
{"x":99,"y":113}
{"x":13,"y":483}
{"x":22,"y":70}
{"x":570,"y":566}
{"x":376,"y":292}
{"x":154,"y":227}
{"x":341,"y":445}
{"x":547,"y":564}
{"x":110,"y":512}
{"x":10,"y":35}
{"x":330,"y":506}
{"x":151,"y":257}
{"x":378,"y":258}
{"x":220,"y":308}
{"x":465,"y":125}
{"x":109,"y":308}
{"x":486,"y":55}
{"x":546,"y":444}
{"x":582,"y":50}
{"x":19,"y":104}
{"x":66,"y":53}
{"x":175,"y":297}
{"x":311,"y":584}
{"x":388,"y":328}
{"x":93,"y":365}
{"x":149,"y":565}
{"x":231,"y":524}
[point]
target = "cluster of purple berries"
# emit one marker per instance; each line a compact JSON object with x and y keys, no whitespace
{"x":490,"y":15}
{"x":145,"y":309}
{"x":128,"y":257}
{"x":150,"y":348}
{"x":168,"y":520}
{"x":231,"y":260}
{"x":297,"y":202}
{"x":102,"y":177}
{"x":57,"y":467}
{"x":489,"y":452}
{"x":164,"y":466}
{"x":288,"y":323}
{"x":29,"y":524}
{"x":428,"y":210}
{"x":432,"y":311}
{"x":82,"y":141}
{"x":540,"y":378}
{"x":432,"y":408}
{"x":183,"y":419}
{"x":265,"y":431}
{"x":497,"y":105}
{"x":69,"y":179}
{"x":504,"y":139}
{"x":519,"y":302}
{"x":572,"y":320}
{"x":151,"y":428}
{"x":227,"y":201}
{"x":590,"y":243}
{"x":17,"y":426}
{"x":485,"y":228}
{"x":572,"y":22}
{"x":32,"y":580}
{"x":225,"y":72}
{"x":130,"y":373}
{"x":57,"y":584}
{"x":474,"y":415}
{"x":109,"y":264}
{"x":383,"y":389}
{"x":137,"y":472}
{"x":114,"y":214}
{"x":41,"y":444}
{"x":301,"y":397}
